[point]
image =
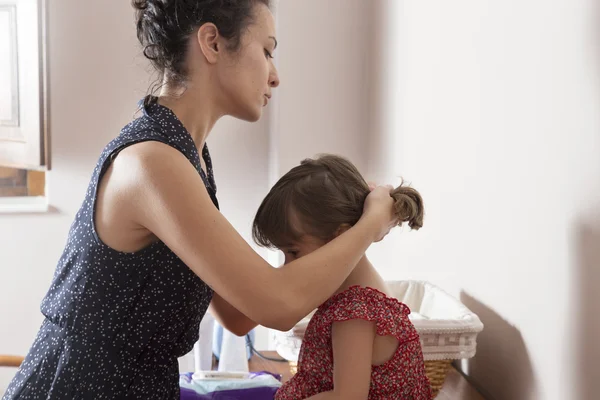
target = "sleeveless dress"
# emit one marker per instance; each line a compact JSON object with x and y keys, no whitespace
{"x":115,"y":323}
{"x":401,"y":378}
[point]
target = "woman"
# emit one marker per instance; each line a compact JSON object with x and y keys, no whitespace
{"x":148,"y":246}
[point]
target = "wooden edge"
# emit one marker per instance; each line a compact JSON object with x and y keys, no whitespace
{"x":36,"y":183}
{"x":11,"y":361}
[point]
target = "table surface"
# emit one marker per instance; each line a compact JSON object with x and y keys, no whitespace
{"x":455,"y":387}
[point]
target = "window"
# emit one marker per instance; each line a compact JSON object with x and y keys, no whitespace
{"x":23,"y":135}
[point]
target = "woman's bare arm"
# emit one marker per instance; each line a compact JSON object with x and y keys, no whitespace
{"x":230,"y":317}
{"x":172,"y":202}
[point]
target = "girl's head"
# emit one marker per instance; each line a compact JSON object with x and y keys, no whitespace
{"x":319,"y":199}
{"x":225,"y":43}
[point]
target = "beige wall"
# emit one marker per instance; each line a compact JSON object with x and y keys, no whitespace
{"x":323,"y":63}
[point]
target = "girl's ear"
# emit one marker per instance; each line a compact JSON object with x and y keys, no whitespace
{"x":341,"y":229}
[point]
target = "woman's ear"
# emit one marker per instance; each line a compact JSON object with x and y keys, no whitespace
{"x":208,"y":40}
{"x":341,"y":229}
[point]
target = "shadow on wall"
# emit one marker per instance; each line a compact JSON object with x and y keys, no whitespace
{"x":501,"y":368}
{"x":587,"y":289}
{"x":587,"y":282}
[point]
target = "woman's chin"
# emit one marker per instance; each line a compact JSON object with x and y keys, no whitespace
{"x":250,"y":115}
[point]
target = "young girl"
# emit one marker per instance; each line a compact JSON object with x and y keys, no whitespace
{"x":360,"y":343}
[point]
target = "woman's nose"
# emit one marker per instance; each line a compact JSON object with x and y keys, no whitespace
{"x":274,"y":78}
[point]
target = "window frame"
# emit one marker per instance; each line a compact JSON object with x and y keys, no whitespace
{"x":24,"y":138}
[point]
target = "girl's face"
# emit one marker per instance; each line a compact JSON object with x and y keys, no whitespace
{"x":301,"y":247}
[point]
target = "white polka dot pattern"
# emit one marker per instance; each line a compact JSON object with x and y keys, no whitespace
{"x":117,"y":322}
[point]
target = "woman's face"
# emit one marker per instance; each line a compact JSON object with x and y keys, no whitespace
{"x":247,"y":77}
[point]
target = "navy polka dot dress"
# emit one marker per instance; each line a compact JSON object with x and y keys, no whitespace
{"x":117,"y":322}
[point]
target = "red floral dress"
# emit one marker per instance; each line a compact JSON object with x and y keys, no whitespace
{"x":402,"y":377}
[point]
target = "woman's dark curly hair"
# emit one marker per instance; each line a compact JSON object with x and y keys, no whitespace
{"x":164,"y":27}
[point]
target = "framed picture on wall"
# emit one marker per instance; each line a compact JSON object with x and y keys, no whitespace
{"x":23,"y":84}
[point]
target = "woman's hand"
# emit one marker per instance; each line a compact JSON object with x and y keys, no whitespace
{"x":379,"y":209}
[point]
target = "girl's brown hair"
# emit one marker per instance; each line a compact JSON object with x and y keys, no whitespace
{"x":318,"y":197}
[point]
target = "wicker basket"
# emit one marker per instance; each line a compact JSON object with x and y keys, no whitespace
{"x":447,"y":329}
{"x":436,"y":372}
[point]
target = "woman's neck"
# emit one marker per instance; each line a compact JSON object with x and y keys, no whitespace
{"x":196,"y":109}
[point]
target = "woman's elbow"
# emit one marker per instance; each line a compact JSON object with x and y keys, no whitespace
{"x":239,"y":331}
{"x":283,"y":325}
{"x":279,"y":322}
{"x":282,"y":318}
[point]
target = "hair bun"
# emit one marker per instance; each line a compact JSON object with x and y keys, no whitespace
{"x":139,"y":4}
{"x":408,"y":206}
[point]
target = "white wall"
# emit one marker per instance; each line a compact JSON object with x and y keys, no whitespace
{"x":323,"y":97}
{"x":499,"y":129}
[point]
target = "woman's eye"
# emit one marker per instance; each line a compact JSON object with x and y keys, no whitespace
{"x":268,"y":54}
